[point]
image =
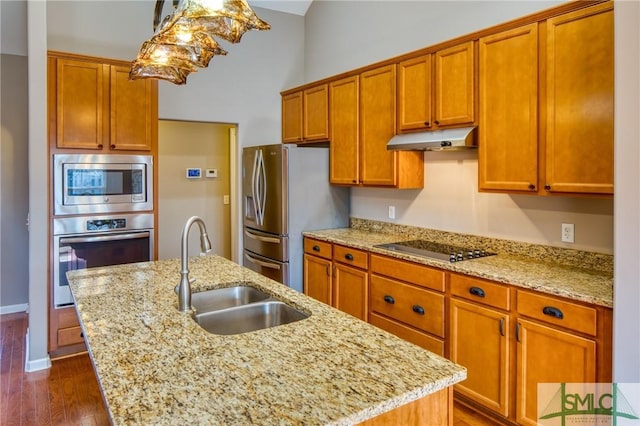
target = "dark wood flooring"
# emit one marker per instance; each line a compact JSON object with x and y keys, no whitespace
{"x":68,"y":392}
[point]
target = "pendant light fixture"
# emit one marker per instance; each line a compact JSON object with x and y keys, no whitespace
{"x":184,"y":40}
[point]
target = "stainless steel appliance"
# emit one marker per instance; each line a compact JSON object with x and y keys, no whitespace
{"x":435,"y":250}
{"x":99,"y":183}
{"x":286,"y":191}
{"x":88,"y":242}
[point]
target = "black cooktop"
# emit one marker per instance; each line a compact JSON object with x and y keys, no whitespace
{"x":438,"y":251}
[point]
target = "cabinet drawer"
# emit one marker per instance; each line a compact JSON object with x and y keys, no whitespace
{"x":350,"y":256}
{"x":480,"y":291}
{"x":409,"y":334}
{"x":67,"y":317}
{"x":70,"y":336}
{"x":555,"y":311}
{"x":407,"y":271}
{"x":415,"y":306}
{"x":317,"y":248}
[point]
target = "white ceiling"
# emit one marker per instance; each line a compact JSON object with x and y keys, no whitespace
{"x":297,"y":7}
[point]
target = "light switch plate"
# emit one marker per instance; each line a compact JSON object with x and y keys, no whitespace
{"x":211,"y":173}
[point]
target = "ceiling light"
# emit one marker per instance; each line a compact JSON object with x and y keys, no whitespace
{"x":184,"y":40}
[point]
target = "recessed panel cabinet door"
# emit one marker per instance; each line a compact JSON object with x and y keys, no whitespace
{"x":508,"y":130}
{"x":344,"y":117}
{"x":317,"y":278}
{"x":82,"y":104}
{"x":454,"y":80}
{"x":377,"y":126}
{"x":350,"y":292}
{"x":134,"y":114}
{"x":579,"y":145}
{"x":414,"y":93}
{"x":292,"y":118}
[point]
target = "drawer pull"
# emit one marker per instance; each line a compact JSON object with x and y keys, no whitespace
{"x":389,"y":299}
{"x":477,"y":291}
{"x":82,"y":335}
{"x":418,"y":309}
{"x":348,"y":256}
{"x":553,"y":312}
{"x":518,"y":326}
{"x":502,"y":326}
{"x":316,"y":248}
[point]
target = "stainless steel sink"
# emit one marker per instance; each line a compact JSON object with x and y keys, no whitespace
{"x":250,"y":317}
{"x":222,"y":298}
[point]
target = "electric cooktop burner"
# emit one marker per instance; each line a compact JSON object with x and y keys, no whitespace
{"x":433,"y":250}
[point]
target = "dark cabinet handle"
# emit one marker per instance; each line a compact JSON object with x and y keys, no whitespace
{"x":389,"y":299}
{"x":348,"y":256}
{"x":437,"y":122}
{"x":82,"y":335}
{"x":553,"y":312}
{"x":99,"y":146}
{"x":477,"y":291}
{"x":502,"y":326}
{"x":418,"y":309}
{"x":426,"y":123}
{"x":547,"y":187}
{"x":113,"y":147}
{"x":532,"y":187}
{"x":518,"y":326}
{"x":316,"y":248}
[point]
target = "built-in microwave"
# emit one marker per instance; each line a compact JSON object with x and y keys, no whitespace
{"x":102,"y":183}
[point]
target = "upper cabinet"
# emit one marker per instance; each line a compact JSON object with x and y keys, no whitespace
{"x":555,"y":137}
{"x":344,"y":113}
{"x":579,"y":143}
{"x":94,"y":106}
{"x":305,"y":115}
{"x":437,"y":90}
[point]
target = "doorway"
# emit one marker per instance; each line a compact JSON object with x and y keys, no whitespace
{"x":209,"y":147}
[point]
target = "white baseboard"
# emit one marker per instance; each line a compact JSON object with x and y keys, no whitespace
{"x":12,"y":309}
{"x":36,"y":364}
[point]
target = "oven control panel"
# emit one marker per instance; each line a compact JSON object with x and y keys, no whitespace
{"x":106,"y":224}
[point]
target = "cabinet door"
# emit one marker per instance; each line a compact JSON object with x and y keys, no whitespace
{"x":479,"y":341}
{"x":579,"y":145}
{"x":548,"y":355}
{"x":350,"y":290}
{"x":508,"y":119}
{"x":377,"y":126}
{"x":344,"y":155}
{"x":82,"y":104}
{"x":317,"y":278}
{"x":134,"y":112}
{"x":454,"y":80}
{"x":316,"y":113}
{"x":414,"y":93}
{"x":292,"y":117}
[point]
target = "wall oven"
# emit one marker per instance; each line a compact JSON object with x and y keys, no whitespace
{"x":88,"y":242}
{"x":99,"y":183}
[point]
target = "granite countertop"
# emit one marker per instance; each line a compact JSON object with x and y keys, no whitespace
{"x":155,"y":365}
{"x":575,"y":275}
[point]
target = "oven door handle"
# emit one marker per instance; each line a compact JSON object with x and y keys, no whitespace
{"x":102,"y":238}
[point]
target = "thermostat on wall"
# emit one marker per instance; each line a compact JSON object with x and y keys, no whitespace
{"x":194,"y":173}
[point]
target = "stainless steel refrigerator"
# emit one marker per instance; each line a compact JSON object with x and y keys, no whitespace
{"x":286,"y":191}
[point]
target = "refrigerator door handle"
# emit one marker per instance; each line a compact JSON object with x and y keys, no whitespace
{"x":261,"y":263}
{"x":260,"y":238}
{"x":254,"y":179}
{"x":259,"y":187}
{"x":262,"y":199}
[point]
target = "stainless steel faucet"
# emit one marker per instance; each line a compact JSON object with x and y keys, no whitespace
{"x":184,"y":288}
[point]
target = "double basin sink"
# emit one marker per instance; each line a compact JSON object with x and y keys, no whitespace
{"x":240,"y":309}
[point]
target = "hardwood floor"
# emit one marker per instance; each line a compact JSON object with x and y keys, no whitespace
{"x":68,"y":393}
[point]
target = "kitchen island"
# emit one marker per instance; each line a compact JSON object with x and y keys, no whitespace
{"x":156,"y":365}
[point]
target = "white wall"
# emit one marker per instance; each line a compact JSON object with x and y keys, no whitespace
{"x":183,"y":144}
{"x":450,"y":200}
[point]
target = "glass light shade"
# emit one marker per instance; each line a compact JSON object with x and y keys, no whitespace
{"x":175,"y":75}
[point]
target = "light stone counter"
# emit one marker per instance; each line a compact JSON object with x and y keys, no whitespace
{"x":155,"y":365}
{"x":582,"y":276}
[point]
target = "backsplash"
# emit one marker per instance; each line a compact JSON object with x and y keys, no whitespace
{"x":590,"y":260}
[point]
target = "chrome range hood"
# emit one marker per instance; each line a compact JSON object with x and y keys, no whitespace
{"x":435,"y":140}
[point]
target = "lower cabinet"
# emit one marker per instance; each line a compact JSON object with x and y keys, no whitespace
{"x":65,"y":336}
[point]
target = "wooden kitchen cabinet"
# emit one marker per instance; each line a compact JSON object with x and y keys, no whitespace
{"x":336,"y":275}
{"x":344,"y":149}
{"x":379,"y":167}
{"x":455,"y":85}
{"x":415,"y":89}
{"x":579,"y":106}
{"x":480,"y":339}
{"x":567,"y":147}
{"x":65,"y":334}
{"x":305,"y":115}
{"x":94,"y":106}
{"x":508,"y":113}
{"x":402,"y":301}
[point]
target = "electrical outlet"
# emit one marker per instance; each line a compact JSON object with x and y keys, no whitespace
{"x":568,"y":233}
{"x":392,"y":212}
